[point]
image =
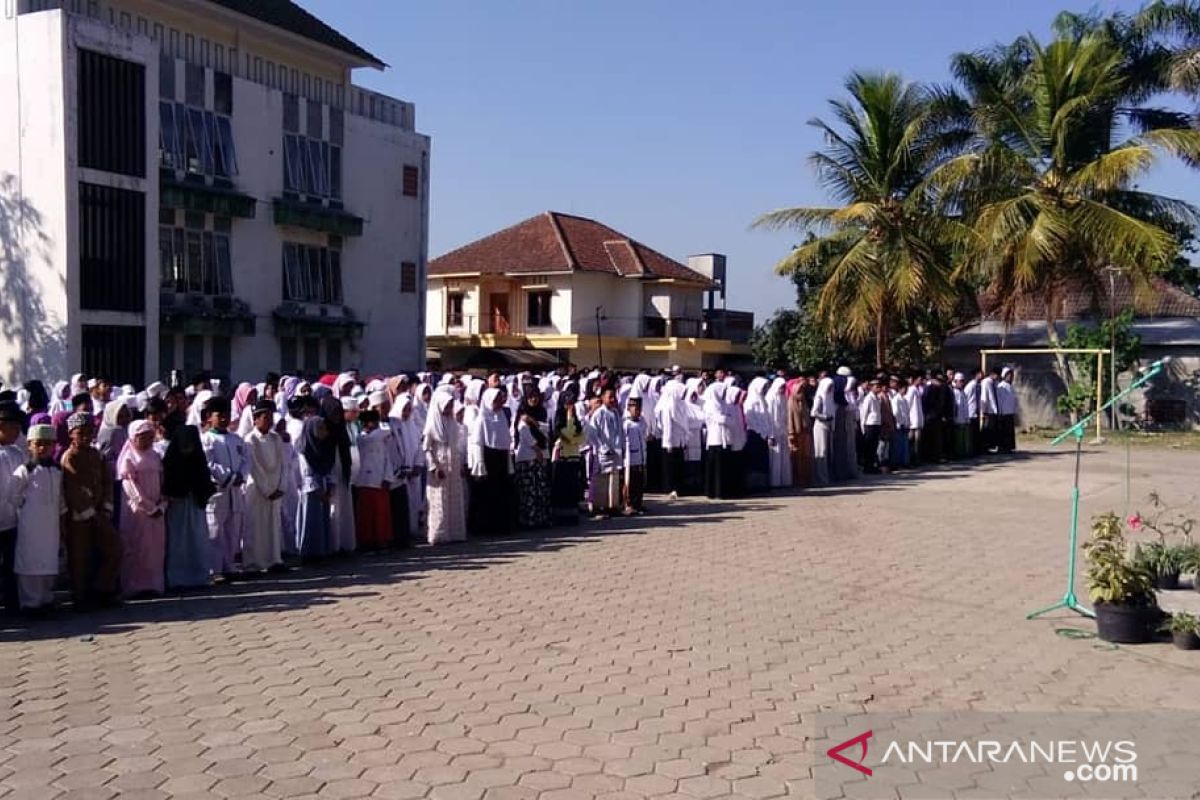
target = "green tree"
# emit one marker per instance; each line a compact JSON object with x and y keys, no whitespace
{"x":1048,"y":184}
{"x":882,"y":254}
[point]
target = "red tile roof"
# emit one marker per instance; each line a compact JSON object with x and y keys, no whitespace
{"x":557,"y":242}
{"x":1162,"y":300}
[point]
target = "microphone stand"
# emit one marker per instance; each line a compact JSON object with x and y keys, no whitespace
{"x":1069,"y":600}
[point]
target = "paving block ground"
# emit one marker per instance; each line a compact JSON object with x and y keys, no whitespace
{"x":679,"y":655}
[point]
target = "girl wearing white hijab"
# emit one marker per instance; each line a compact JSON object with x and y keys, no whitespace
{"x":759,"y":432}
{"x":670,"y":416}
{"x":693,"y":453}
{"x":411,"y":457}
{"x":718,"y":435}
{"x":494,"y":510}
{"x":446,"y":493}
{"x":780,"y":455}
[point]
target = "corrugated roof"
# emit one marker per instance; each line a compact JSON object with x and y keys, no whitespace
{"x":1162,"y":300}
{"x":557,"y":242}
{"x":1163,"y":332}
{"x":292,"y":18}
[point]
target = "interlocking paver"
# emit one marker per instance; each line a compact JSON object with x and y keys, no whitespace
{"x":681,"y":662}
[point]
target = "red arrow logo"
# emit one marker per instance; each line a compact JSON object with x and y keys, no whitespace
{"x":835,"y":753}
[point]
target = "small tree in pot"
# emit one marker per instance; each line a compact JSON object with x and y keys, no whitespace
{"x":1121,"y":589}
{"x":1185,"y":630}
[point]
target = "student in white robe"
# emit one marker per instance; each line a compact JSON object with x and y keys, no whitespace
{"x":757,"y":459}
{"x":38,"y":497}
{"x":262,"y":546}
{"x":780,"y":455}
{"x":229,"y":467}
{"x":1006,"y":411}
{"x":411,"y":464}
{"x":13,"y":453}
{"x":446,"y":491}
{"x":824,"y":415}
{"x":637,"y":435}
{"x":693,"y":452}
{"x":671,"y":420}
{"x":608,"y":447}
{"x":717,"y":440}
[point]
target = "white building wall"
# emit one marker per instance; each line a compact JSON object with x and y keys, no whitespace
{"x":34,"y":301}
{"x":621,"y":299}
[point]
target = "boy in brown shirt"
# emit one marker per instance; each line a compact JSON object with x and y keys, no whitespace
{"x":93,"y":549}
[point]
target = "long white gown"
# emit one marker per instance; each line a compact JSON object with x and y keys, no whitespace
{"x":446,"y":497}
{"x":262,"y":540}
{"x":781,"y":457}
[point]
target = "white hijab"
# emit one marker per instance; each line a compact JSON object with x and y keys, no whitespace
{"x":757,"y":418}
{"x":441,"y":428}
{"x":494,"y":430}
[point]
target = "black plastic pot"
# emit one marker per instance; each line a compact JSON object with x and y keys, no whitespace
{"x":1186,"y":641}
{"x":1126,"y":624}
{"x":1167,"y":580}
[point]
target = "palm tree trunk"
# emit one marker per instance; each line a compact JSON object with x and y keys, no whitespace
{"x":881,"y":336}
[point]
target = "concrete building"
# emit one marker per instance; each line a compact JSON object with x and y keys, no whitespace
{"x":559,"y":288}
{"x":1166,"y":319}
{"x":197,"y":184}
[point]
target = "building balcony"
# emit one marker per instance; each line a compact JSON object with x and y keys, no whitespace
{"x":324,"y":219}
{"x":197,"y":195}
{"x":204,"y":314}
{"x":305,"y":320}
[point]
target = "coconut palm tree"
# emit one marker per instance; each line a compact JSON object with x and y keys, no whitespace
{"x":881,"y":253}
{"x":1049,"y":181}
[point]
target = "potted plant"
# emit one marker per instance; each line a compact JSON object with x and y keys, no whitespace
{"x":1162,"y":561}
{"x":1185,"y":630}
{"x":1121,"y":589}
{"x":1189,"y":562}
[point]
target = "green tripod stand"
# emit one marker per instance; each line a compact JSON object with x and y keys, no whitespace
{"x":1069,"y":600}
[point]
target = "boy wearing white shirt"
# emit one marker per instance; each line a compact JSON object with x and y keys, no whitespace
{"x":262,"y":545}
{"x":871,"y":421}
{"x":636,"y":432}
{"x":12,"y":456}
{"x":229,"y":467}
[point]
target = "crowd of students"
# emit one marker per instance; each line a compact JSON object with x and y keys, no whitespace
{"x":174,"y":488}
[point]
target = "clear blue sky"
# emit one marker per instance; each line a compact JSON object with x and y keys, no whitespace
{"x":674,"y":121}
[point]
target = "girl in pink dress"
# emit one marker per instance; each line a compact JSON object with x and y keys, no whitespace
{"x":143,"y":533}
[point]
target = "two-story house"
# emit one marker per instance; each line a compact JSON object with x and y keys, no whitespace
{"x":198,"y":185}
{"x":559,"y":288}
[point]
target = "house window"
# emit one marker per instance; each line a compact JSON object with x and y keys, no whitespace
{"x":454,"y":309}
{"x":412,"y":181}
{"x":408,"y":277}
{"x":166,"y":355}
{"x":312,"y":274}
{"x":537,"y":309}
{"x":197,"y":258}
{"x":112,"y":248}
{"x":112,"y":114}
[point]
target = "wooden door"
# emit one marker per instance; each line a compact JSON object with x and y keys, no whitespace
{"x":499,"y":314}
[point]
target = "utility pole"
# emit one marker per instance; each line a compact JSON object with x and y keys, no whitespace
{"x":599,"y":344}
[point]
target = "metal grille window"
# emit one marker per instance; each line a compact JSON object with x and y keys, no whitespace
{"x":287,"y":354}
{"x":196,"y":141}
{"x":117,"y":352}
{"x":112,"y":248}
{"x":408,"y":277}
{"x":193,"y":259}
{"x":311,"y":167}
{"x":412,"y":181}
{"x":312,"y":274}
{"x":112,"y":114}
{"x":222,"y":357}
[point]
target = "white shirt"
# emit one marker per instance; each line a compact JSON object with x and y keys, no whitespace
{"x":1006,"y":399}
{"x":869,"y":410}
{"x":987,"y":395}
{"x":526,"y":445}
{"x":962,"y":411}
{"x":972,"y":392}
{"x":636,"y":432}
{"x":374,"y":460}
{"x":823,"y":408}
{"x":916,"y":414}
{"x":900,"y":410}
{"x":11,"y":457}
{"x":226,"y":454}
